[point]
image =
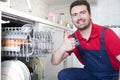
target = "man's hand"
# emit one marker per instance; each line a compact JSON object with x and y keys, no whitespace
{"x":69,"y":43}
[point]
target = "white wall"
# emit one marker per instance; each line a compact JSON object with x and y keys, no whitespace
{"x":61,"y":9}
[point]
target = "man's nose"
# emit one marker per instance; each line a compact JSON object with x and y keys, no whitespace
{"x":79,"y":16}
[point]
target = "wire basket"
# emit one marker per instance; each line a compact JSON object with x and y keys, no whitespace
{"x":17,"y":42}
{"x":13,"y":39}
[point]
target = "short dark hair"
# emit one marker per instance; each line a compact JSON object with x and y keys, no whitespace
{"x":80,"y":2}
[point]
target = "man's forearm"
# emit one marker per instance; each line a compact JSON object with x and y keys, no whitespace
{"x":58,"y":56}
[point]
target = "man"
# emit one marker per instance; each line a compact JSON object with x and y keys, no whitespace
{"x":97,"y":47}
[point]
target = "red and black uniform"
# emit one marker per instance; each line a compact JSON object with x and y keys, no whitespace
{"x":98,"y":54}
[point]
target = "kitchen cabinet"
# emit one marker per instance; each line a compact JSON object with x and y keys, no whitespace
{"x":39,"y":26}
{"x":36,"y":8}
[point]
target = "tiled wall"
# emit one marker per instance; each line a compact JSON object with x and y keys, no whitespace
{"x":103,"y":12}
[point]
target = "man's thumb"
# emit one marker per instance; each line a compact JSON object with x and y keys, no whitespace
{"x":66,"y":34}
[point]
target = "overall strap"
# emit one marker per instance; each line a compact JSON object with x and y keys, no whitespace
{"x":101,"y":41}
{"x":79,"y":48}
{"x":102,"y":38}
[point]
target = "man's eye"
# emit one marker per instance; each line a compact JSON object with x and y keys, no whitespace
{"x":73,"y":15}
{"x":82,"y":12}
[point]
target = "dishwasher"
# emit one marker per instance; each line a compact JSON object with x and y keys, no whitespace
{"x":21,"y":46}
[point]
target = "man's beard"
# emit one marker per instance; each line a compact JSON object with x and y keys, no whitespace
{"x":85,"y":27}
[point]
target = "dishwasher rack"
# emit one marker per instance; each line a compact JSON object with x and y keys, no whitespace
{"x":16,"y":42}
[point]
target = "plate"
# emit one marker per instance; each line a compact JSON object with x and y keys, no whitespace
{"x":25,"y":70}
{"x":9,"y":67}
{"x":14,"y":70}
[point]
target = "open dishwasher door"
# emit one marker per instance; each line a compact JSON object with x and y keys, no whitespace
{"x":15,"y":34}
{"x":21,"y":39}
{"x":27,"y":39}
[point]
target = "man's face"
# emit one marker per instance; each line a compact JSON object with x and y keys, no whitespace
{"x":80,"y":17}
